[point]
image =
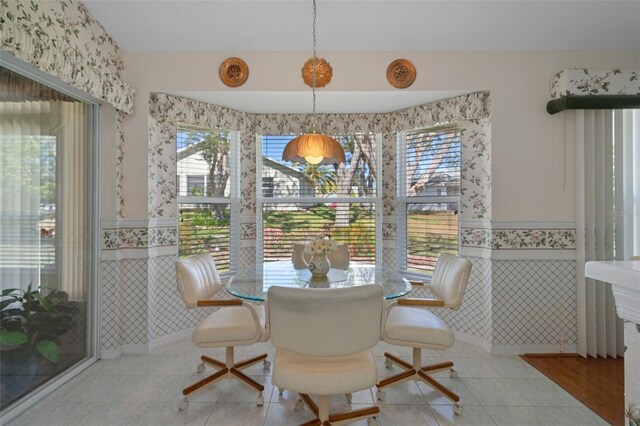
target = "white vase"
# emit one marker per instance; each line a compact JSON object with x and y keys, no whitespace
{"x":319,"y":265}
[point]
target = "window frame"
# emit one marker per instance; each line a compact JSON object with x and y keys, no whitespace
{"x":233,"y":199}
{"x":403,"y":200}
{"x":261,"y":200}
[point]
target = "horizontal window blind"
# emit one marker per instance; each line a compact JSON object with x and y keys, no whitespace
{"x":304,"y":201}
{"x":203,"y":184}
{"x":355,"y":178}
{"x":285,"y":224}
{"x":433,"y":162}
{"x":206,"y":227}
{"x":432,"y":192}
{"x":432,"y":229}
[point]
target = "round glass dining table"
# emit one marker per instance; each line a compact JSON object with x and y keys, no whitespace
{"x":252,"y":283}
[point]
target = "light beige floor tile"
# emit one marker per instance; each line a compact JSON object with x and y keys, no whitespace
{"x":404,"y":393}
{"x":495,"y":392}
{"x":472,"y":415}
{"x":157,"y":413}
{"x":280,"y":414}
{"x":569,"y":416}
{"x":517,"y":416}
{"x":102,"y":389}
{"x":404,"y":415}
{"x":236,"y":391}
{"x":237,"y":414}
{"x":514,"y":368}
{"x":543,"y":392}
{"x":62,"y":413}
{"x":434,"y":397}
{"x":474,"y":368}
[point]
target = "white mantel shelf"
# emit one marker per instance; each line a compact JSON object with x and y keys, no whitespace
{"x":624,"y":277}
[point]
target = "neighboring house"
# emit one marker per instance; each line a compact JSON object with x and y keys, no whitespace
{"x":440,"y":185}
{"x":279,"y":180}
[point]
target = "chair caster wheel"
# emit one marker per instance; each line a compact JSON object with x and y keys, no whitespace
{"x":200,"y":368}
{"x":372,"y":421}
{"x":183,"y":405}
{"x":388,"y":363}
{"x":280,"y":391}
{"x":458,"y":410}
{"x":453,"y":374}
{"x":266,"y":364}
{"x":260,"y":402}
{"x":381,"y":395}
{"x":299,"y":405}
{"x":349,"y":397}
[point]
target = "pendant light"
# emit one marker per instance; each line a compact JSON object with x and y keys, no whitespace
{"x":314,"y":147}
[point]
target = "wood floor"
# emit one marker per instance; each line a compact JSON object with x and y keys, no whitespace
{"x":596,"y":382}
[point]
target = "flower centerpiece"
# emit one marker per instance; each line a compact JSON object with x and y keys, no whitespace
{"x":318,"y":249}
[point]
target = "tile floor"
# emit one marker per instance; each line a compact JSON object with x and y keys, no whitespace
{"x":146,"y":389}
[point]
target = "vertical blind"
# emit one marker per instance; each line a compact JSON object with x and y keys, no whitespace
{"x":203,"y":184}
{"x":431,"y":195}
{"x":304,"y":201}
{"x":606,"y":144}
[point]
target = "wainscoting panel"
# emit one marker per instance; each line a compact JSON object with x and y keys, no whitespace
{"x":534,"y":302}
{"x":110,"y":306}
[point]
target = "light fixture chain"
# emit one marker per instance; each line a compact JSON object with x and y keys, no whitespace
{"x":313,"y":81}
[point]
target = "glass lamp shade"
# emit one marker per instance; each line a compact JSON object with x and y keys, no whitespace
{"x":314,"y":148}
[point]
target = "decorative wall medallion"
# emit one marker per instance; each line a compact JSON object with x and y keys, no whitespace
{"x":324,"y":72}
{"x":401,"y":73}
{"x":234,"y":72}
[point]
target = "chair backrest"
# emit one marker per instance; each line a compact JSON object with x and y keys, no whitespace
{"x":325,"y":322}
{"x":339,"y":259}
{"x":449,"y":279}
{"x":197,"y":279}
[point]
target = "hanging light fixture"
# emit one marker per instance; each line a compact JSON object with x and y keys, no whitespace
{"x":314,"y":147}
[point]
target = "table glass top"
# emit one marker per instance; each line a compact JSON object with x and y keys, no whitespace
{"x":253,"y":282}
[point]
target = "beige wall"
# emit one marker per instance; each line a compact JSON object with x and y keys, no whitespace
{"x":527,"y":143}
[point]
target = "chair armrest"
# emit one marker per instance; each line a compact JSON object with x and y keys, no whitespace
{"x":226,"y":302}
{"x":420,"y":302}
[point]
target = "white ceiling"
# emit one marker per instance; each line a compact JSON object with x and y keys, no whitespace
{"x":356,"y":25}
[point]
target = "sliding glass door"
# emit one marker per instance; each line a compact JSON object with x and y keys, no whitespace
{"x":46,"y":241}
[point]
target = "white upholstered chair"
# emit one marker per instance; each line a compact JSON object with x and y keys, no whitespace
{"x":408,"y":324}
{"x":236,"y":323}
{"x":323,"y":339}
{"x":339,"y":259}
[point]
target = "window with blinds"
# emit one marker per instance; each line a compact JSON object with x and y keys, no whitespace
{"x":302,"y":201}
{"x":430,"y":195}
{"x":204,"y":193}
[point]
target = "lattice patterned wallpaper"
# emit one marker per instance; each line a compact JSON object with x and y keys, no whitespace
{"x":534,"y":302}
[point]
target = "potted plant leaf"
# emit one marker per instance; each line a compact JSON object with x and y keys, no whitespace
{"x":31,"y":323}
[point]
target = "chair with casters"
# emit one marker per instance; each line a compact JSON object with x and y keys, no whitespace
{"x":339,"y":258}
{"x":323,"y":340}
{"x":408,"y":324}
{"x":235,"y":323}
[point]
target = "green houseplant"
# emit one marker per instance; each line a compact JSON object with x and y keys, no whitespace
{"x":31,"y":323}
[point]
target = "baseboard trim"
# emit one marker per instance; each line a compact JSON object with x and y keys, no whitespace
{"x":170,"y":338}
{"x":538,"y":349}
{"x":473,"y":340}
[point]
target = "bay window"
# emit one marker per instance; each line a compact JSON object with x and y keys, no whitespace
{"x":207,"y":193}
{"x":429,"y":195}
{"x":302,"y":201}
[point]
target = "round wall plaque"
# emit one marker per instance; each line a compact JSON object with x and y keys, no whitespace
{"x":324,"y":72}
{"x":401,"y":73}
{"x":234,"y":72}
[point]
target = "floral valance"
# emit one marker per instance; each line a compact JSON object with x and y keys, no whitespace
{"x":61,"y":38}
{"x":581,"y":88}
